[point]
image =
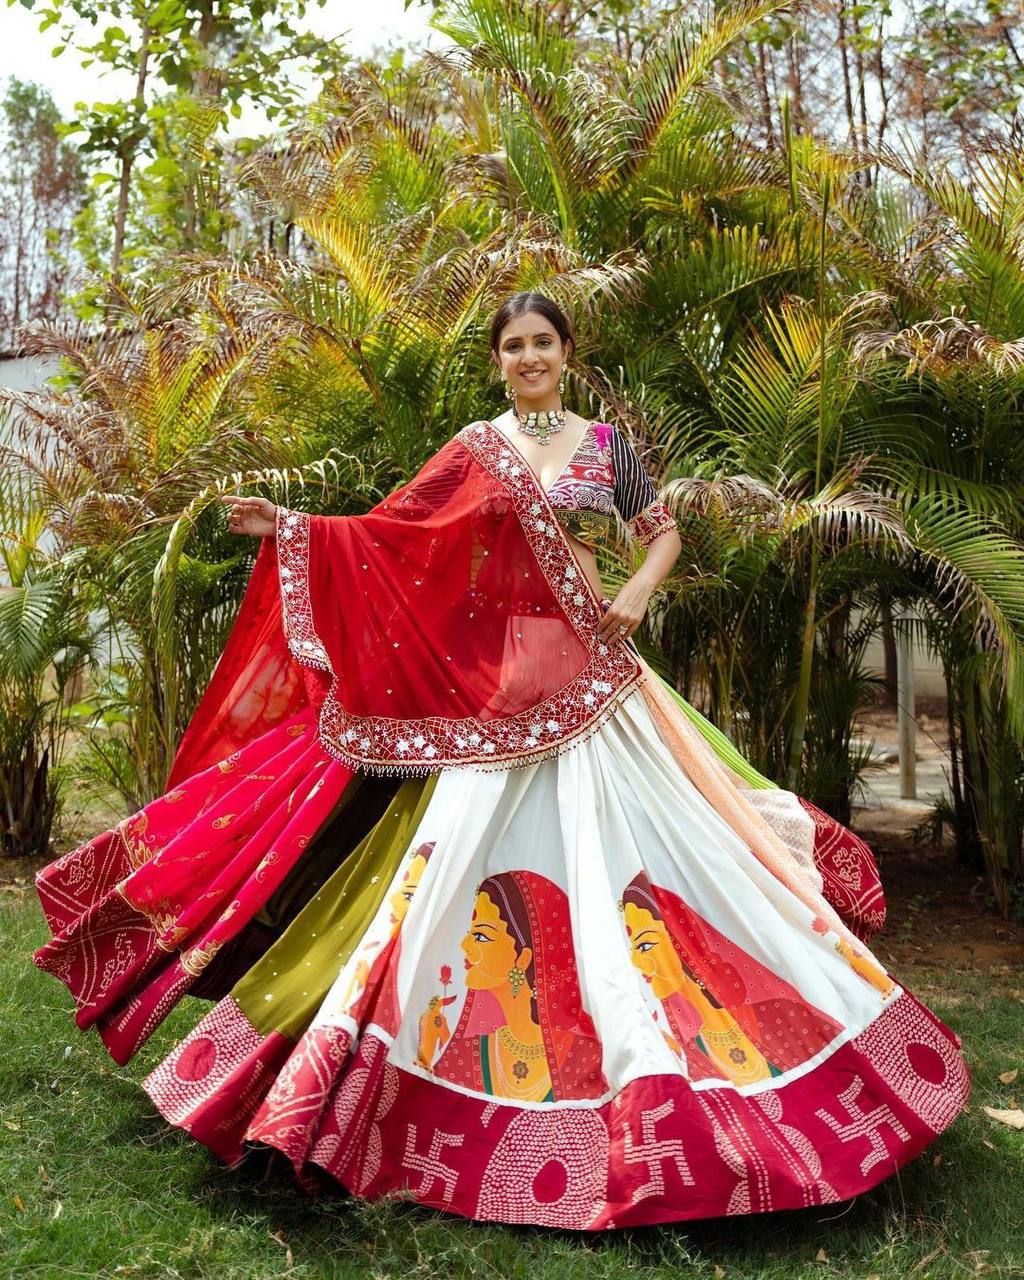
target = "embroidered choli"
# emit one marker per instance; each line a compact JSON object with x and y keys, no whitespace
{"x":604,"y":476}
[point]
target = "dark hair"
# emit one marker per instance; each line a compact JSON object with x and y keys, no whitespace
{"x":519,"y":304}
{"x":504,"y":891}
{"x":640,"y":893}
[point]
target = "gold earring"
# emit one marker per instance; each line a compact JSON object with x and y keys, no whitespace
{"x":516,"y":978}
{"x":561,"y":380}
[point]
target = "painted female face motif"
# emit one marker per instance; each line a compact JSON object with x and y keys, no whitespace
{"x":489,"y":948}
{"x":402,"y":896}
{"x":652,"y":951}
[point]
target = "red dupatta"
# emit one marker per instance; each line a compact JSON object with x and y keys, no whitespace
{"x":450,"y":625}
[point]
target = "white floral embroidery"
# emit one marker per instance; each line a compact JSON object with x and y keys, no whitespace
{"x":382,"y":744}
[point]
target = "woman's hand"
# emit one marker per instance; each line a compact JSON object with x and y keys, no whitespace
{"x":625,"y":613}
{"x":256,"y":516}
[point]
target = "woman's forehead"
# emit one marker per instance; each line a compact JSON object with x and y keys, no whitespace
{"x":530,"y":325}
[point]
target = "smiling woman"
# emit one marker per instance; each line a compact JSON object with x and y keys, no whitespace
{"x":487,"y":920}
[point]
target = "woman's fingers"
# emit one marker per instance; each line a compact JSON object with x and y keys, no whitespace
{"x":249,"y":515}
{"x":615,"y":626}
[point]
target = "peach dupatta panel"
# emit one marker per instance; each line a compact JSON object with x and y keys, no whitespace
{"x":716,"y":783}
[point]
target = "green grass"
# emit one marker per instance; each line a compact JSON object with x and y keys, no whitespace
{"x":94,"y":1183}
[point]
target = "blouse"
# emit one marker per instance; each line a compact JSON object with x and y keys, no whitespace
{"x":604,"y":476}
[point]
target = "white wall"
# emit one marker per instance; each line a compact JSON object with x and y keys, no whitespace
{"x":26,"y":372}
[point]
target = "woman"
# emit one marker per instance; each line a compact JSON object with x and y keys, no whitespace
{"x":430,"y":738}
{"x":523,"y":1033}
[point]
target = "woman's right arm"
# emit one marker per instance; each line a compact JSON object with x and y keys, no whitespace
{"x":254,"y":516}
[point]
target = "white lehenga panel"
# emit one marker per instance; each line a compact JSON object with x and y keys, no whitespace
{"x":590,"y":821}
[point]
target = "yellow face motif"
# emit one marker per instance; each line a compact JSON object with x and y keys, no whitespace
{"x":489,"y":948}
{"x":402,"y":896}
{"x":653,"y":952}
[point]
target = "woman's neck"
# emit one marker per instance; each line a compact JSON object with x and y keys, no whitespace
{"x":518,"y":1017}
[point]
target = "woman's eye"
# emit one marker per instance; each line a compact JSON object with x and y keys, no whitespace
{"x":645,"y":946}
{"x":480,"y":937}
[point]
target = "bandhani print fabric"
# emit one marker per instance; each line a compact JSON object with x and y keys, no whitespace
{"x":611,"y":982}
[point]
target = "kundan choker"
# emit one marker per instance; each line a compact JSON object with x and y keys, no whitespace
{"x":542,"y":425}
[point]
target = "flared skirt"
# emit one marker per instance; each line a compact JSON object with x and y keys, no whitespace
{"x":567,"y":994}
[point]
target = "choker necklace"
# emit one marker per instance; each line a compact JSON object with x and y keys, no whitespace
{"x":542,"y":425}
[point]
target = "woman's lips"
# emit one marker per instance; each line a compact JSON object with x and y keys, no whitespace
{"x":533,"y":377}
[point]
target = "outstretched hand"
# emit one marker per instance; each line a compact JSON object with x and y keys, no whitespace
{"x":625,"y":613}
{"x":255,"y":516}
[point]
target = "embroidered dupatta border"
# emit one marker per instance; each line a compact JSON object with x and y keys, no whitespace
{"x":385,"y":745}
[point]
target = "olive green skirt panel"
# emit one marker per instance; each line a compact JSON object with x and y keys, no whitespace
{"x":284,"y":989}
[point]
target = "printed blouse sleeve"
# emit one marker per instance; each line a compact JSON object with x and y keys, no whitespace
{"x":635,"y":497}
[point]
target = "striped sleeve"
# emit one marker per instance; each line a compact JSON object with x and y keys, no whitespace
{"x":635,"y":496}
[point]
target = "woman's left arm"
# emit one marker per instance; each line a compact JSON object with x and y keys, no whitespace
{"x":652,"y":526}
{"x":630,"y":604}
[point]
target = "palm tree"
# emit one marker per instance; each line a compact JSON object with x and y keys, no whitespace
{"x":44,"y":641}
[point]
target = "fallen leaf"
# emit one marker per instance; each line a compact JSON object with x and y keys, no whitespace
{"x":58,"y":1209}
{"x":1008,"y":1077}
{"x":1014,"y":1118}
{"x":985,"y":1143}
{"x":719,"y":1273}
{"x":936,"y":1161}
{"x":821,"y":1256}
{"x":19,"y":1204}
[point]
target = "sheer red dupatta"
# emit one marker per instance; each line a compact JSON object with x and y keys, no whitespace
{"x":451,"y":624}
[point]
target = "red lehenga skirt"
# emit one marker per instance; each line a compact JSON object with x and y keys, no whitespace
{"x":564,"y":994}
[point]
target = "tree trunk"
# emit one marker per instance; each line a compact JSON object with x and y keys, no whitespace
{"x":766,"y":104}
{"x":128,"y":153}
{"x":888,"y":655}
{"x":883,"y":87}
{"x":851,"y":119}
{"x":858,"y":58}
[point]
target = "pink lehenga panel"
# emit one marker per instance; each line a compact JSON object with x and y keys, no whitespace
{"x":139,"y":912}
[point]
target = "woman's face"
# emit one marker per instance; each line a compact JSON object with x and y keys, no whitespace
{"x":531,"y":355}
{"x":489,"y":948}
{"x":402,"y":896}
{"x":653,"y":952}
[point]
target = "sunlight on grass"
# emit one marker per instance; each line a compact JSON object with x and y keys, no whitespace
{"x":96,"y":1184}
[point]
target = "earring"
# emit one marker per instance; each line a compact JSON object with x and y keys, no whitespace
{"x":516,"y":978}
{"x":510,"y":393}
{"x":561,"y":380}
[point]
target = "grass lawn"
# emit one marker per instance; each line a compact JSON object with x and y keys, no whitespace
{"x":94,"y":1183}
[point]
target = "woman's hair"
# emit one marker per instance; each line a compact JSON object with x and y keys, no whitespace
{"x":519,"y":304}
{"x":504,"y":891}
{"x":638,"y":893}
